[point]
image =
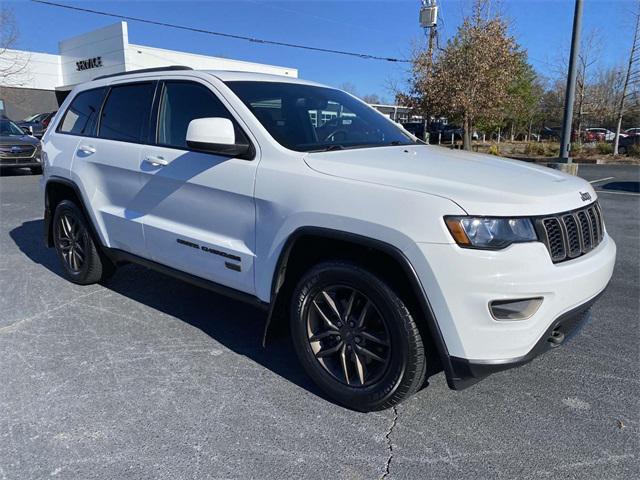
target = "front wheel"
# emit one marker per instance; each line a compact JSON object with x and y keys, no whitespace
{"x":355,"y":337}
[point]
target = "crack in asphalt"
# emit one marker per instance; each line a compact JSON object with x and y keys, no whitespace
{"x":387,"y":437}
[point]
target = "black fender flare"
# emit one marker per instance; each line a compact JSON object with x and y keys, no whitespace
{"x":48,"y":214}
{"x":426,"y":310}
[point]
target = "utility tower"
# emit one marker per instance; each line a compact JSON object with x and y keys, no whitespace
{"x":428,"y":21}
{"x":630,"y":97}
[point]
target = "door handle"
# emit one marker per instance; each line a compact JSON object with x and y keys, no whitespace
{"x":87,"y":149}
{"x":156,"y":161}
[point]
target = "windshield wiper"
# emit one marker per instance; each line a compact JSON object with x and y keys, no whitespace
{"x":329,"y":148}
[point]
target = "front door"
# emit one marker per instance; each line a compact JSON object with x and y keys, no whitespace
{"x":198,"y":209}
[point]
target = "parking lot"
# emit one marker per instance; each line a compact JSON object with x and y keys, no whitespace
{"x":148,"y":377}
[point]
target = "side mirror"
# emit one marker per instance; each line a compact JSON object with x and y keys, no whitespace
{"x":28,"y":130}
{"x":214,"y":135}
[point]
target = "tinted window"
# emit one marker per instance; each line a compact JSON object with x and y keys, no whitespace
{"x":309,"y":118}
{"x":125,"y":115}
{"x":82,"y":116}
{"x":182,"y":102}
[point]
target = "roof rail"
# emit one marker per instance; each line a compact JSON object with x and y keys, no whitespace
{"x":145,"y":70}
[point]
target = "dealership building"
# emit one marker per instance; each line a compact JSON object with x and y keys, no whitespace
{"x":34,"y":82}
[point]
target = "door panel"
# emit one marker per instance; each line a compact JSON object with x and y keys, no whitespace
{"x":199,"y":215}
{"x":198,"y":209}
{"x":111,"y":178}
{"x":109,"y":164}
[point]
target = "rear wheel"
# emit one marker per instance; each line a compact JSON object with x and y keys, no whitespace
{"x":76,"y":247}
{"x":356,"y":338}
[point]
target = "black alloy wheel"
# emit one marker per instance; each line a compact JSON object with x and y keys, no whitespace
{"x":76,"y":247}
{"x":355,"y":337}
{"x":348,"y":335}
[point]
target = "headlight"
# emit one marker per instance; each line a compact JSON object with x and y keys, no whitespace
{"x":490,"y":233}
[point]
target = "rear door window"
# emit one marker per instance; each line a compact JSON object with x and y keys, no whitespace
{"x":125,"y":116}
{"x":81,"y":118}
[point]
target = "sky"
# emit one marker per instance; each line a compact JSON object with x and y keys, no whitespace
{"x":383,"y":28}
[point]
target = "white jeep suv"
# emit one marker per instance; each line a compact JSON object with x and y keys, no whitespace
{"x":383,"y":252}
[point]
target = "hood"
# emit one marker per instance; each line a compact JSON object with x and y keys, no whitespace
{"x":21,"y":140}
{"x":480,"y":184}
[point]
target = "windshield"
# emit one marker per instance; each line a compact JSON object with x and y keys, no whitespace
{"x":33,"y":118}
{"x":8,"y":128}
{"x":308,"y":118}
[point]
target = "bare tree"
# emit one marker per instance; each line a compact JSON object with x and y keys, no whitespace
{"x":588,"y":57}
{"x":349,"y":87}
{"x":12,"y":65}
{"x":371,"y":98}
{"x":631,"y":78}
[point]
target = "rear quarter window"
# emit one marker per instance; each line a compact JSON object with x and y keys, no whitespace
{"x":81,"y":118}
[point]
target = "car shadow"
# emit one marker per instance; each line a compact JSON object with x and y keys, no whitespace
{"x":632,"y":187}
{"x":236,"y":325}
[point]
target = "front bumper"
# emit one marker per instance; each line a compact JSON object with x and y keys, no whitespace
{"x":461,"y":284}
{"x":465,"y":373}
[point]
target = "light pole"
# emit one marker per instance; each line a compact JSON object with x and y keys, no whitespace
{"x":565,"y":145}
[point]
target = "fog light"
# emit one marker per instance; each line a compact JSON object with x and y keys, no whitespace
{"x":517,"y":309}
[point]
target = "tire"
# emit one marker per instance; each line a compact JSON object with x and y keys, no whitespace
{"x":77,"y":250}
{"x":36,"y":170}
{"x":350,"y":376}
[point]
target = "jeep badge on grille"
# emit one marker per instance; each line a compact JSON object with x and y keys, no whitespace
{"x":585,"y":196}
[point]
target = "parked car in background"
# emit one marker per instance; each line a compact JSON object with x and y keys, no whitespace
{"x":600,"y":135}
{"x":36,"y":124}
{"x":550,"y":133}
{"x":417,"y":129}
{"x":17,"y":149}
{"x":632,"y":131}
{"x":446,"y":131}
{"x":625,"y":143}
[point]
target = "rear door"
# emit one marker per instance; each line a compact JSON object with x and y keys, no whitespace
{"x":199,"y":212}
{"x":108,"y":164}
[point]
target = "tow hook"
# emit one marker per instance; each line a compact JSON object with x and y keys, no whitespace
{"x":556,"y":338}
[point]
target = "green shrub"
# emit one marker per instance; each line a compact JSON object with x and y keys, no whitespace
{"x":553,"y":149}
{"x":576,"y":148}
{"x":534,"y":149}
{"x":604,"y":148}
{"x":634,"y":151}
{"x":494,"y":150}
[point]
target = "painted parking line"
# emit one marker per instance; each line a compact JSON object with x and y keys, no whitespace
{"x":601,"y":180}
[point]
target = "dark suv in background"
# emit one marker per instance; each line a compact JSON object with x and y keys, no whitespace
{"x":17,"y":149}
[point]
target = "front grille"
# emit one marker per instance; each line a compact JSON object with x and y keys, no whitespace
{"x":17,"y":151}
{"x":572,"y":234}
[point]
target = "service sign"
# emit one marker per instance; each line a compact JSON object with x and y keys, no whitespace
{"x":89,"y":63}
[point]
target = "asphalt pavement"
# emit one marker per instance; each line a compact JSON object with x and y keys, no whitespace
{"x":147,"y":377}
